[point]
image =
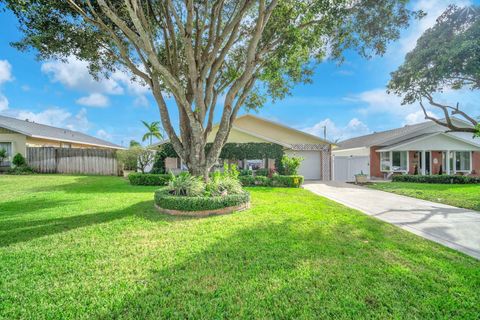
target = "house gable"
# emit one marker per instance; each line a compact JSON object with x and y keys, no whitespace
{"x":275,"y":131}
{"x":237,"y":136}
{"x":438,"y":141}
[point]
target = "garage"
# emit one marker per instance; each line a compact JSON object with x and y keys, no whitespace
{"x":311,"y":164}
{"x":346,"y":167}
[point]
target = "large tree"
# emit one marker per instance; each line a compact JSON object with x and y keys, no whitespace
{"x":199,"y":51}
{"x":447,"y":56}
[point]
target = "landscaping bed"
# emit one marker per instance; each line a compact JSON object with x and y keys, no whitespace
{"x":167,"y":203}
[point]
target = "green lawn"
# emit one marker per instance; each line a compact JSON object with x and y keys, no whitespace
{"x":458,"y":195}
{"x":94,"y":247}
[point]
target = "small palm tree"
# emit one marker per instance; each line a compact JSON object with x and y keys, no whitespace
{"x":153,"y":130}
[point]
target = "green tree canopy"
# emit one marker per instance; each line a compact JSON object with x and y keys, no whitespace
{"x":447,"y":56}
{"x":153,"y":131}
{"x":198,"y":51}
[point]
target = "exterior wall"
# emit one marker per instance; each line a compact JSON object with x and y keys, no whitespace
{"x":36,"y":142}
{"x":235,"y":136}
{"x":274,"y":131}
{"x":170,"y":163}
{"x":436,"y":166}
{"x":18,"y":142}
{"x":476,"y":163}
{"x":364,"y":152}
{"x":375,"y":163}
{"x":412,"y":162}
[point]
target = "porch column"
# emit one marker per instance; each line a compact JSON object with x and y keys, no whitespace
{"x":447,"y":161}
{"x":423,"y":162}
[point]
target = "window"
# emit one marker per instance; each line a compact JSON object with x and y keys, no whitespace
{"x":399,"y":161}
{"x":462,"y":160}
{"x":8,"y":147}
{"x":394,"y":161}
{"x":255,"y":164}
{"x":385,"y":161}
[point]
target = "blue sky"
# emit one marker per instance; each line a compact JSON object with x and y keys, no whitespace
{"x":349,"y":99}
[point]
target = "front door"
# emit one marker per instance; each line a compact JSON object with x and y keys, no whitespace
{"x":428,"y":162}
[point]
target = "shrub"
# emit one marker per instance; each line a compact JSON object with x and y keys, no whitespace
{"x":262,"y":181}
{"x":292,"y":181}
{"x":186,"y":185}
{"x":231,"y":171}
{"x":165,"y":200}
{"x":3,"y":155}
{"x":247,"y":180}
{"x":19,"y":160}
{"x":290,"y":165}
{"x":223,"y":184}
{"x":246,"y":172}
{"x":20,"y":170}
{"x":443,"y":179}
{"x":147,"y":179}
{"x":261,"y":172}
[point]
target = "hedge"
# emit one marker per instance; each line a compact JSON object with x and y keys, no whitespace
{"x":275,"y":181}
{"x":287,"y":181}
{"x":442,"y":179}
{"x":164,"y":199}
{"x":148,"y":179}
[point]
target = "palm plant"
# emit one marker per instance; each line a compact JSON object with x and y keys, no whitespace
{"x":153,"y":131}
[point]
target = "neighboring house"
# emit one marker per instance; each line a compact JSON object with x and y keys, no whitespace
{"x":424,"y":148}
{"x":315,"y":151}
{"x":16,"y":135}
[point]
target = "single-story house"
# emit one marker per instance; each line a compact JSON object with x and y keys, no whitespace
{"x":248,"y":128}
{"x":424,"y":148}
{"x":16,"y":135}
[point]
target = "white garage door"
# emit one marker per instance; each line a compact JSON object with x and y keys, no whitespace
{"x":311,"y":164}
{"x":345,"y":168}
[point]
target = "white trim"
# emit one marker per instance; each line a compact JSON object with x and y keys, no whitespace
{"x":262,"y":137}
{"x":394,"y":147}
{"x":391,"y":162}
{"x":285,"y":127}
{"x":77,"y":142}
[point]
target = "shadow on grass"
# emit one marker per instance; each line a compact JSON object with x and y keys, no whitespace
{"x":278,"y":271}
{"x":15,"y":231}
{"x":95,"y":184}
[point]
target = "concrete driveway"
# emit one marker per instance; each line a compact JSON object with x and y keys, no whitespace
{"x":453,"y":227}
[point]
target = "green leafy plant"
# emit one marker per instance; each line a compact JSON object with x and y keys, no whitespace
{"x":20,"y":170}
{"x":135,"y":158}
{"x":261,"y":172}
{"x":19,"y":160}
{"x":290,"y":165}
{"x":186,"y":185}
{"x":165,"y":199}
{"x":246,"y":172}
{"x":221,"y":184}
{"x":291,"y":181}
{"x":147,"y":179}
{"x":153,"y":131}
{"x":443,"y":179}
{"x":3,"y":155}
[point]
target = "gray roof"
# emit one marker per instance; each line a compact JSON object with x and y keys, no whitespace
{"x":38,"y":130}
{"x":386,"y":137}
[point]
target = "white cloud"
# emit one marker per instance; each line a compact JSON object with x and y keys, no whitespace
{"x":3,"y":103}
{"x":57,"y":117}
{"x":5,"y":71}
{"x":379,"y":101}
{"x":94,"y":100}
{"x":74,"y":75}
{"x":417,"y":117}
{"x":102,"y":134}
{"x":353,"y":128}
{"x":433,"y":9}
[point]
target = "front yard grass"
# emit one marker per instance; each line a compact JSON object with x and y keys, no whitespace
{"x":458,"y":195}
{"x":77,"y":247}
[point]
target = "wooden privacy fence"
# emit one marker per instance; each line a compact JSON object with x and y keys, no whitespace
{"x":66,"y":160}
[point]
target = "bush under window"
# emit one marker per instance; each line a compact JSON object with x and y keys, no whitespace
{"x":443,"y":179}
